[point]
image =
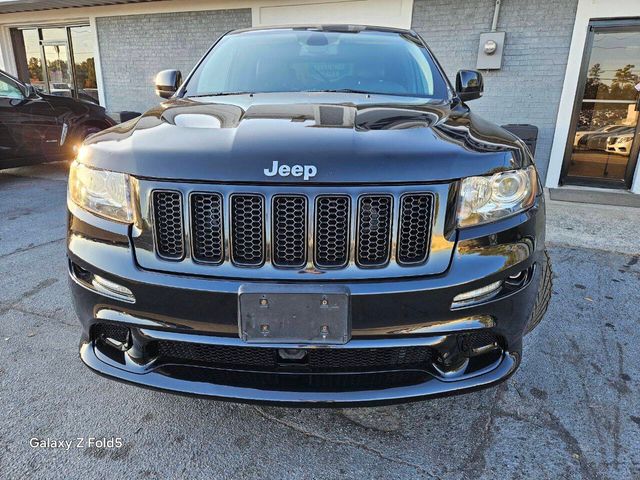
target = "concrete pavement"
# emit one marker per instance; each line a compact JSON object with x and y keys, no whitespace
{"x":571,"y":411}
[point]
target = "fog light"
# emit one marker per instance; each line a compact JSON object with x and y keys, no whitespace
{"x":101,"y":284}
{"x":476,"y":295}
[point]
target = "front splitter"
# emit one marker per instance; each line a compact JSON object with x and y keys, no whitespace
{"x":434,"y":387}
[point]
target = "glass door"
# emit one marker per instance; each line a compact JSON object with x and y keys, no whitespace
{"x":57,"y":60}
{"x":604,"y":141}
{"x":58,"y":68}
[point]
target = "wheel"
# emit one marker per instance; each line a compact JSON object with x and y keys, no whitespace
{"x":544,"y":295}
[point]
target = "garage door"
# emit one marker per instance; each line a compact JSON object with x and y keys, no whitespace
{"x":393,"y":13}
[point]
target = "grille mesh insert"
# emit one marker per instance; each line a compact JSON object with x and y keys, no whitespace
{"x":247,"y":229}
{"x":289,"y":231}
{"x":415,"y":228}
{"x":374,"y":230}
{"x":206,"y":218}
{"x":220,"y":355}
{"x":317,"y":360}
{"x":167,"y":210}
{"x":332,"y":231}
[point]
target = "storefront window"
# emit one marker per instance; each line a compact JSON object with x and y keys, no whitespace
{"x":84,"y":62}
{"x":605,"y":137}
{"x":57,"y":60}
{"x":34,"y":60}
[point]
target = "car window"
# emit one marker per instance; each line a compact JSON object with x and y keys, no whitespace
{"x":9,"y":89}
{"x":307,"y":60}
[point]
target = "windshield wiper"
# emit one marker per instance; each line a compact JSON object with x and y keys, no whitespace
{"x":342,"y":90}
{"x":220,"y":94}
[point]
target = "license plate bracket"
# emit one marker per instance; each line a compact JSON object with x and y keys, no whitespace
{"x":294,"y":314}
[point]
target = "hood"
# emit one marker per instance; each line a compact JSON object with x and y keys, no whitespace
{"x":319,"y":138}
{"x":60,"y":100}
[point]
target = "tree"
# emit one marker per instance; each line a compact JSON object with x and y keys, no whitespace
{"x":594,"y":88}
{"x":624,"y":81}
{"x":35,"y":70}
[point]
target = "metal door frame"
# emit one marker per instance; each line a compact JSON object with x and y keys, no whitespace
{"x":599,"y":26}
{"x":67,"y":43}
{"x":57,"y":43}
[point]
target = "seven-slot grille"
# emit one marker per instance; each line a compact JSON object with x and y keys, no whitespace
{"x":296,"y":223}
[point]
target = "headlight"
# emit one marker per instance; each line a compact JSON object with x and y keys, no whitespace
{"x":102,"y":192}
{"x":486,"y":199}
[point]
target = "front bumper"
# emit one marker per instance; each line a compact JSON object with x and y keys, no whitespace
{"x":407,"y":313}
{"x":190,"y":380}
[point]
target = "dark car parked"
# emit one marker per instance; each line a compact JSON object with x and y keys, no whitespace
{"x":314,"y":216}
{"x":35,"y":127}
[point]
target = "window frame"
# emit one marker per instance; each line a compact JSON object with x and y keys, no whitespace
{"x":597,"y":26}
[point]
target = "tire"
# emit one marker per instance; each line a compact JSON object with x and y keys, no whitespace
{"x":544,"y":295}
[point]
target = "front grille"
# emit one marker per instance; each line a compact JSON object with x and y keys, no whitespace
{"x":293,"y":230}
{"x":316,"y":361}
{"x":374,"y":230}
{"x":415,"y":221}
{"x":167,"y":212}
{"x":247,"y":229}
{"x":332,"y":231}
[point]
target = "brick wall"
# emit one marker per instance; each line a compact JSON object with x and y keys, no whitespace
{"x":527,"y":89}
{"x":134,"y":48}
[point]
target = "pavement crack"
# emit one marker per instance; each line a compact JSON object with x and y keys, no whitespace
{"x":572,"y":444}
{"x":477,"y":462}
{"x":39,"y":314}
{"x":29,"y":247}
{"x":350,"y":443}
{"x":616,"y":415}
{"x":571,"y":246}
{"x":554,"y":424}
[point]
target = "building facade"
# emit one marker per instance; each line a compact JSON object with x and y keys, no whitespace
{"x":571,"y":68}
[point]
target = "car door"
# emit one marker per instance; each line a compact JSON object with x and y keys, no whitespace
{"x":10,"y":95}
{"x":29,"y":129}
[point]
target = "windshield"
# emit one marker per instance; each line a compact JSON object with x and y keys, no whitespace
{"x":310,"y":60}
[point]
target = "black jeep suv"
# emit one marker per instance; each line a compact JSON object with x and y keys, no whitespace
{"x":313,"y":216}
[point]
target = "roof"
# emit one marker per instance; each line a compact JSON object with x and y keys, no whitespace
{"x":15,"y":6}
{"x":328,"y":28}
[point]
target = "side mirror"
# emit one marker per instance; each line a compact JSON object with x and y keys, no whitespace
{"x":469,"y":85}
{"x":30,"y":91}
{"x":167,"y":82}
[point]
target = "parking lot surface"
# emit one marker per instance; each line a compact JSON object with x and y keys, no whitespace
{"x":571,"y":411}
